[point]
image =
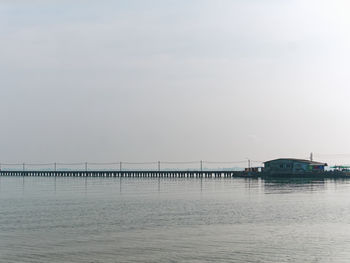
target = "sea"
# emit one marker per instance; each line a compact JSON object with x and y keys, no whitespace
{"x":65,"y":219}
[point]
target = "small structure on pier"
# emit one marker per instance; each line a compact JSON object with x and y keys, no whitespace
{"x":253,"y":169}
{"x":291,"y":166}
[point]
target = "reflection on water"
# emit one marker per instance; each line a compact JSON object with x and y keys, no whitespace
{"x":174,"y":220}
{"x":291,"y":185}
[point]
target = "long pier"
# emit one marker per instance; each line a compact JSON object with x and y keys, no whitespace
{"x":170,"y":174}
{"x":131,"y":174}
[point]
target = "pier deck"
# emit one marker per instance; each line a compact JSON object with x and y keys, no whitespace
{"x":173,"y":174}
{"x":142,"y":174}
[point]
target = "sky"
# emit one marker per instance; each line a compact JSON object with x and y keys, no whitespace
{"x":166,"y":80}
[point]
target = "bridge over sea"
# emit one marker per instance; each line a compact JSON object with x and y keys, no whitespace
{"x":140,"y":174}
{"x":195,"y":169}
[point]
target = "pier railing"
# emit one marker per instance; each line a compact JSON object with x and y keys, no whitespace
{"x":130,"y":174}
{"x":131,"y":166}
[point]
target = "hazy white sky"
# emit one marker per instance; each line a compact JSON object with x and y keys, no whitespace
{"x":173,"y":80}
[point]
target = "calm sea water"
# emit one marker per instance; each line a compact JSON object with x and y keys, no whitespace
{"x":173,"y":220}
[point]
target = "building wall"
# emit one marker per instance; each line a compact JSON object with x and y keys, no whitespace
{"x":279,"y":166}
{"x":301,"y":167}
{"x":286,"y":167}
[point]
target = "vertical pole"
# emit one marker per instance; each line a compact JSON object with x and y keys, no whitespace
{"x":201,"y":165}
{"x":120,"y":166}
{"x":24,"y":167}
{"x":86,"y":166}
{"x":55,"y":166}
{"x":158,"y":166}
{"x":248,"y":165}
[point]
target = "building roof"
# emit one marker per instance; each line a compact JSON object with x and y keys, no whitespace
{"x":298,"y":160}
